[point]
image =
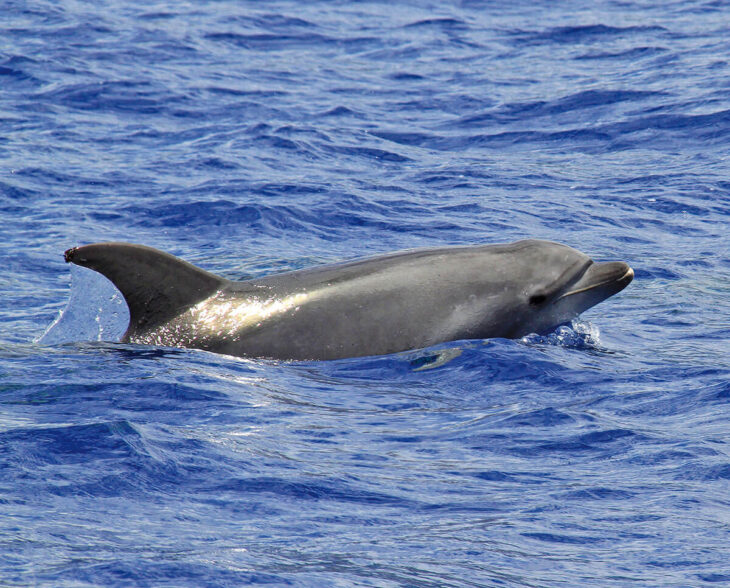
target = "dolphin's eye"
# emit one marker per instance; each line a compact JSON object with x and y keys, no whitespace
{"x":537,"y":299}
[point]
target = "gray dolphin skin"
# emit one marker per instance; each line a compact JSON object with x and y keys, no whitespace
{"x":385,"y":304}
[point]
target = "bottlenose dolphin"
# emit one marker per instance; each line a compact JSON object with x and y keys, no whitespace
{"x":385,"y":304}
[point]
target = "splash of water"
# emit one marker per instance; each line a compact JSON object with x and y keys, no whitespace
{"x":579,"y":334}
{"x":96,"y":311}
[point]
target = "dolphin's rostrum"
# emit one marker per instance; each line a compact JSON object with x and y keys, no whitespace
{"x":385,"y":304}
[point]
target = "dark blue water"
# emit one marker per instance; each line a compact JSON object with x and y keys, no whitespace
{"x":252,"y":138}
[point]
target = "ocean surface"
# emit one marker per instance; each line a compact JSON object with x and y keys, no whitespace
{"x":257,"y":137}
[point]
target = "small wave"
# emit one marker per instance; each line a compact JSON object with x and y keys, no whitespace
{"x":565,"y":538}
{"x":133,"y":568}
{"x":581,"y":34}
{"x":370,"y":153}
{"x":71,"y":444}
{"x":522,"y":111}
{"x":334,"y":490}
{"x":113,"y":96}
{"x":604,"y":443}
{"x":273,"y":22}
{"x":13,"y":76}
{"x":633,"y":53}
{"x":541,"y":417}
{"x":269,"y":42}
{"x":445,"y":23}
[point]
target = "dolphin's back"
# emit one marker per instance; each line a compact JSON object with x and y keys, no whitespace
{"x":371,"y":306}
{"x":360,"y":268}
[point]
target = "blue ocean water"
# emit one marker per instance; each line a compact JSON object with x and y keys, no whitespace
{"x":252,"y":138}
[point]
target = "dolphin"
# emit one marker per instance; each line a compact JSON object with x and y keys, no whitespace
{"x":374,"y":306}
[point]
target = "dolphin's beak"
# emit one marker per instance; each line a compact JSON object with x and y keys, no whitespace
{"x":606,"y":278}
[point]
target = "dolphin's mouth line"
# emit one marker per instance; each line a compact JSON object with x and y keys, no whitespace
{"x":628,"y":274}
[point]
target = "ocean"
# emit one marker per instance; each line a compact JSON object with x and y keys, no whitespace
{"x":251,"y":138}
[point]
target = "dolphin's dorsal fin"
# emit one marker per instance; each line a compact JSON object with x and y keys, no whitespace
{"x":156,"y":286}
